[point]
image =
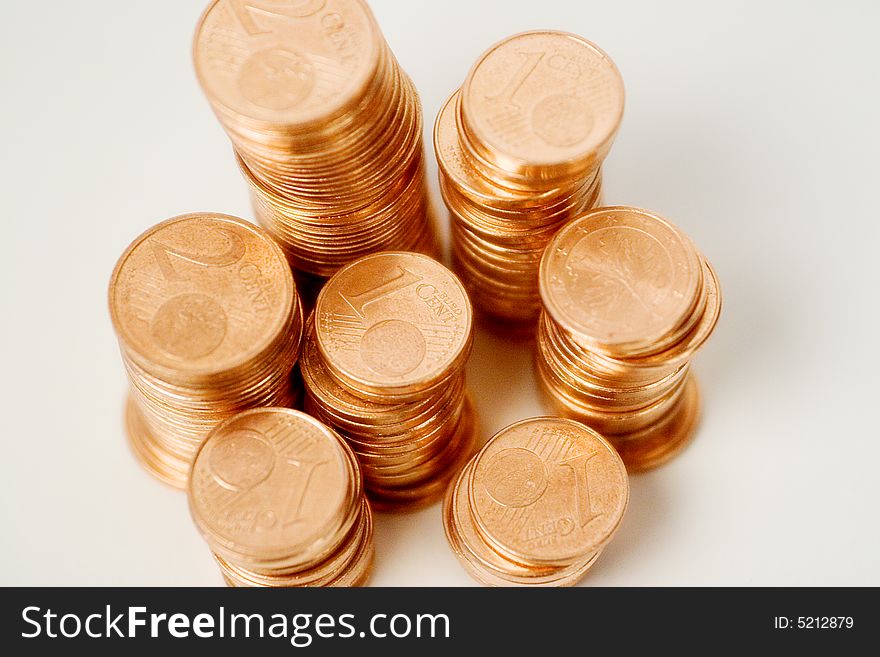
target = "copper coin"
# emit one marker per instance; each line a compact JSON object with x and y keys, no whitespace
{"x":656,"y":444}
{"x":519,"y":159}
{"x":288,"y":62}
{"x":545,"y":104}
{"x":341,"y":568}
{"x":548,"y":491}
{"x":326,"y":127}
{"x":393,"y":323}
{"x":620,"y":279}
{"x":273,"y":485}
{"x":487,"y":565}
{"x":455,"y":165}
{"x":201,"y":294}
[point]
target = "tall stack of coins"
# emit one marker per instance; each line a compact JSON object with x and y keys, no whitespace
{"x":278,"y":497}
{"x":209,"y":323}
{"x":383,"y":364}
{"x":520,"y":148}
{"x":537,"y":505}
{"x":326,"y":126}
{"x":628,"y":301}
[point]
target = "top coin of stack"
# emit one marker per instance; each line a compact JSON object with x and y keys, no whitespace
{"x":384,"y":365}
{"x":209,"y":323}
{"x":520,"y":149}
{"x":278,"y":497}
{"x":326,"y":126}
{"x":628,"y":302}
{"x":537,"y":505}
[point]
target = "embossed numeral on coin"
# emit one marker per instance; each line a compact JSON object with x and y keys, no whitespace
{"x":399,"y":279}
{"x":163,"y":253}
{"x":508,"y":94}
{"x":578,"y":466}
{"x":293,"y":510}
{"x":247,"y":11}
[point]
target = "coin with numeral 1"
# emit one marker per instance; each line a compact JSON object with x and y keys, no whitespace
{"x":275,"y":491}
{"x":547,"y":492}
{"x":325,"y":125}
{"x":542,"y":105}
{"x":483,"y":562}
{"x":394,"y":325}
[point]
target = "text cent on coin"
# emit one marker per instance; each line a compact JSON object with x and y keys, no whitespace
{"x":548,"y":491}
{"x":544,"y":100}
{"x":200,"y":293}
{"x":287,"y":61}
{"x":272,"y":484}
{"x":393,"y":322}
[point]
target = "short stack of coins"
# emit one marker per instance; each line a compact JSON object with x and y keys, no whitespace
{"x":209,"y":323}
{"x":326,"y":126}
{"x":628,"y":301}
{"x":278,"y":497}
{"x":537,"y":505}
{"x":520,"y":148}
{"x":383,"y":364}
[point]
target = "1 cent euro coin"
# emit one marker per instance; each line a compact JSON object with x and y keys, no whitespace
{"x":543,"y":105}
{"x":548,"y":491}
{"x":274,"y":487}
{"x":394,"y":324}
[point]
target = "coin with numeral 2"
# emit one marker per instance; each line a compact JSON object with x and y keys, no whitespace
{"x":285,"y":61}
{"x":200,"y":293}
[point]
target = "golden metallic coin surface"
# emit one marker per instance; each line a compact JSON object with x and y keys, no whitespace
{"x":393,"y":321}
{"x":548,"y":491}
{"x":655,"y":445}
{"x":619,"y":278}
{"x":520,"y":150}
{"x":454,"y":164}
{"x":285,"y":61}
{"x":687,"y":347}
{"x":270,"y":484}
{"x":325,"y":125}
{"x":486,"y":564}
{"x":340,"y":569}
{"x":201,"y":293}
{"x":544,"y":99}
{"x":163,"y":465}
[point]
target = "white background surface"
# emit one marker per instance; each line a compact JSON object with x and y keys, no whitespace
{"x":752,"y":125}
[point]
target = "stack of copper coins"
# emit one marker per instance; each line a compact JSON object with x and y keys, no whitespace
{"x":279,"y":499}
{"x":520,"y":148}
{"x":326,"y":126}
{"x":383,"y":364}
{"x":537,"y":505}
{"x":209,"y":324}
{"x":628,"y":302}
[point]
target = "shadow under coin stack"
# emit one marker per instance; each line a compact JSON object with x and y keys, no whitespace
{"x":326,"y":126}
{"x":209,"y":324}
{"x":628,"y":302}
{"x":383,"y":363}
{"x":278,"y":497}
{"x":520,"y":148}
{"x":537,"y":505}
